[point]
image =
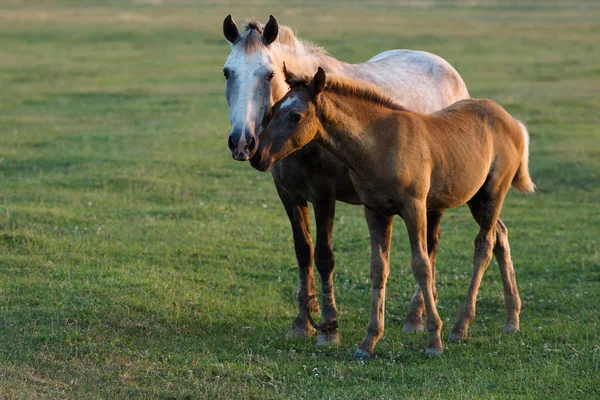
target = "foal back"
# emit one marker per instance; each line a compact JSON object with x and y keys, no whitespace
{"x":469,"y":143}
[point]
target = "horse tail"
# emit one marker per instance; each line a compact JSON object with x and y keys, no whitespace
{"x":522,"y":181}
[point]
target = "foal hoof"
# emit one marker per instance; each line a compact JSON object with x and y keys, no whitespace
{"x":508,"y":328}
{"x":412,"y":327}
{"x":297,"y":332}
{"x":329,"y":338}
{"x":456,"y":337}
{"x":433,"y":351}
{"x":361,"y":354}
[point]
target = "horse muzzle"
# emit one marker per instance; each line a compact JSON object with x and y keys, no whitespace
{"x":242,"y":150}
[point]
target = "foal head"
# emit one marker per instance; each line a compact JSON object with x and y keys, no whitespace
{"x":294,"y":121}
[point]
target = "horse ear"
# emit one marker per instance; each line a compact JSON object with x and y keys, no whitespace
{"x":289,"y":76}
{"x":230,"y":30}
{"x":318,"y":83}
{"x":270,"y":31}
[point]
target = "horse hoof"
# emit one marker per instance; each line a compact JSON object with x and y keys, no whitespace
{"x":508,"y":328}
{"x":361,"y":354}
{"x":412,"y":327}
{"x":300,"y":332}
{"x":329,"y":338}
{"x":456,"y":337}
{"x":433,"y":351}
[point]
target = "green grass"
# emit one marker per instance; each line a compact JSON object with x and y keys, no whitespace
{"x":138,"y":260}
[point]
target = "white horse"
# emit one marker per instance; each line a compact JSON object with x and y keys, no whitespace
{"x":421,"y":81}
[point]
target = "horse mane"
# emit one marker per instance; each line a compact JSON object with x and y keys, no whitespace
{"x":251,"y":39}
{"x":345,"y":86}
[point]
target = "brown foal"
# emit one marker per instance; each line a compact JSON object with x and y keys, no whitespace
{"x":414,"y":165}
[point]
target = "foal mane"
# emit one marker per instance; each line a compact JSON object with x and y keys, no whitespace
{"x":362,"y":90}
{"x":345,"y":86}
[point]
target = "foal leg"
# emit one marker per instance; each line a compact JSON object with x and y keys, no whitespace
{"x":324,"y":215}
{"x":486,"y":204}
{"x":380,"y":229}
{"x":501,"y":250}
{"x":415,"y":216}
{"x":414,"y":319}
{"x":297,"y":211}
{"x":512,"y":300}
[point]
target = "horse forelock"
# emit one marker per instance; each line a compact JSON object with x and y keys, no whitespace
{"x":253,"y":25}
{"x":251,"y":40}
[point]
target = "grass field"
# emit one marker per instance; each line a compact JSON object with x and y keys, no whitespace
{"x":137,"y":259}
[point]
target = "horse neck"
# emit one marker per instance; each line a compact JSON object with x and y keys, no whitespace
{"x":305,"y":62}
{"x":347,"y":126}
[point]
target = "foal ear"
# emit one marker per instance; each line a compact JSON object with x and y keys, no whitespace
{"x":270,"y":31}
{"x":318,"y":83}
{"x":230,"y":30}
{"x":289,"y":76}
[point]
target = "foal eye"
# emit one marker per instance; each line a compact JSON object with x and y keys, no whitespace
{"x":296,"y":117}
{"x":270,"y":76}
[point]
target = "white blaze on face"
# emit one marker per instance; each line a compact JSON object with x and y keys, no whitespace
{"x":250,"y":94}
{"x":289,"y":102}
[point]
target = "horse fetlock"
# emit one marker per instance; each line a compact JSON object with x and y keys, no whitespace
{"x":300,"y":329}
{"x":313,"y":306}
{"x":309,"y":303}
{"x":434,"y":325}
{"x":300,"y":332}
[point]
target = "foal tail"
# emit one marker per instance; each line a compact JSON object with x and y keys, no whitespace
{"x":522,"y":181}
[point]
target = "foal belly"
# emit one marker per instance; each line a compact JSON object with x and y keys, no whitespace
{"x":378,"y":198}
{"x":444,"y":195}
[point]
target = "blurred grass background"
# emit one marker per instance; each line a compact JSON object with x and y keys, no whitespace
{"x":137,"y":259}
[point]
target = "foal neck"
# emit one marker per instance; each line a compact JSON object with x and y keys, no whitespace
{"x":349,"y":125}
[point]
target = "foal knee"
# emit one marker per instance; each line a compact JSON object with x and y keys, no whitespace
{"x":484,"y":243}
{"x":422,"y":270}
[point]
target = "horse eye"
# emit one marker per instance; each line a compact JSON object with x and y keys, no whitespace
{"x":226,"y":73}
{"x":296,"y":117}
{"x":271,"y":76}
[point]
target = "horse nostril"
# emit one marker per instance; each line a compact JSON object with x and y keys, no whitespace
{"x":230,"y":143}
{"x":252,"y":145}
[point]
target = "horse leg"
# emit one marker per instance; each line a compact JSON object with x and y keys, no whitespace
{"x":415,"y":217}
{"x":324,"y":259}
{"x":501,"y":250}
{"x":414,"y":319}
{"x":380,"y":229}
{"x":297,"y":211}
{"x":485,"y":207}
